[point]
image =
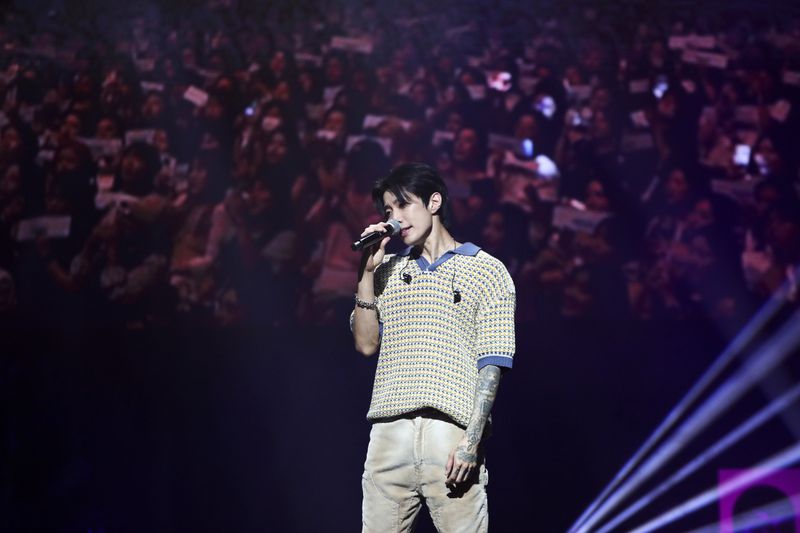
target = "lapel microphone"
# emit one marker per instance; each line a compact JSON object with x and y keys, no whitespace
{"x":406,"y":277}
{"x":456,"y":293}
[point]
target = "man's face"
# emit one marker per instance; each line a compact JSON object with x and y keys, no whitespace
{"x":416,"y":219}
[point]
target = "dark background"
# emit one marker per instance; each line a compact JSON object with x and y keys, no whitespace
{"x":171,"y":421}
{"x":243,"y":430}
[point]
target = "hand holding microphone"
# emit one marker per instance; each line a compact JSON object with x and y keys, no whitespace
{"x":375,"y":234}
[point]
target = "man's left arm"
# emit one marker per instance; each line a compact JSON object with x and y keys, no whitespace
{"x":495,"y":345}
{"x":464,"y":458}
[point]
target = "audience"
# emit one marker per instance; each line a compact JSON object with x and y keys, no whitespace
{"x":211,"y":165}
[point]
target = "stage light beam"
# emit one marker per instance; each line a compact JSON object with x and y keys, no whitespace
{"x":766,"y":358}
{"x":736,"y":346}
{"x":773,"y":408}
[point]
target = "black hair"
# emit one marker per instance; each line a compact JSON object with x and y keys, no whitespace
{"x":152,"y":165}
{"x":418,"y":179}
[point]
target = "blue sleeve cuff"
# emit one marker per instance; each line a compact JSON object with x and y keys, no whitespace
{"x":497,"y":359}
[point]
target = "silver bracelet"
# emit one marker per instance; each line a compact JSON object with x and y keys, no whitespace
{"x":367,"y":305}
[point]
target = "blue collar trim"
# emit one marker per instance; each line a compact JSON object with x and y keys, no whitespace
{"x":465,"y":249}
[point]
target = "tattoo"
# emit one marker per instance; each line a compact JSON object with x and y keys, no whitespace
{"x":486,"y":391}
{"x":466,"y":456}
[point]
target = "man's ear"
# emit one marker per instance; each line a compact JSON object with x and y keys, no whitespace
{"x":435,"y":203}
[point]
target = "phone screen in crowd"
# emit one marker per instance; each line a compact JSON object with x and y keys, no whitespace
{"x":500,"y":81}
{"x":546,"y":106}
{"x":660,"y":87}
{"x":526,"y":148}
{"x":741,"y":155}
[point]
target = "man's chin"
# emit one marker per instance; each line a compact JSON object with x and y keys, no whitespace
{"x":411,"y":241}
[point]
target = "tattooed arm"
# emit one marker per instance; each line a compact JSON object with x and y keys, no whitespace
{"x":464,"y":458}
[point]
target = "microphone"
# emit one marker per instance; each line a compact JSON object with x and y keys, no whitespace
{"x":392,"y":226}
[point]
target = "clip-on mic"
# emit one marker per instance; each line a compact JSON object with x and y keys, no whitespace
{"x":406,"y":277}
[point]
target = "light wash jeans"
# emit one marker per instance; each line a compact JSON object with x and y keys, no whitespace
{"x":405,"y":466}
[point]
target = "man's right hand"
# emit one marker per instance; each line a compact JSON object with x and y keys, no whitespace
{"x":373,"y":256}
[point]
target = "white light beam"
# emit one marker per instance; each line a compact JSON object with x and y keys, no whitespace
{"x":767,"y":357}
{"x":780,"y":460}
{"x":742,"y":339}
{"x":751,"y":424}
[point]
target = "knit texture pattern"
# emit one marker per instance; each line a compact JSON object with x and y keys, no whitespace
{"x":432,"y":347}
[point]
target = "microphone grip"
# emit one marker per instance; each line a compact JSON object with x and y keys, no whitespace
{"x":368,"y":240}
{"x":392,"y":227}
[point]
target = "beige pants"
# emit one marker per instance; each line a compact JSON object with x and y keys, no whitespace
{"x":405,"y":466}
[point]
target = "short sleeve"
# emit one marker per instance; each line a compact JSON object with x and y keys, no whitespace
{"x":496,"y":342}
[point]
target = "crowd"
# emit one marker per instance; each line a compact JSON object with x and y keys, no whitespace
{"x":210,"y":163}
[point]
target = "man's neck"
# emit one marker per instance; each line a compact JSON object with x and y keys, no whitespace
{"x":438,"y":242}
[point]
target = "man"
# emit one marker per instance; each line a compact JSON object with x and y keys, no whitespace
{"x":442,"y":315}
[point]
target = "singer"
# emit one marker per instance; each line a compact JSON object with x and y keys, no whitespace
{"x":441,"y":316}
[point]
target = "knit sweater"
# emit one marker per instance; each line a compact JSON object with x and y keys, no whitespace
{"x":441,"y":323}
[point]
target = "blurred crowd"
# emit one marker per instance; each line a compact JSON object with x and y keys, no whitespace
{"x":210,"y":163}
